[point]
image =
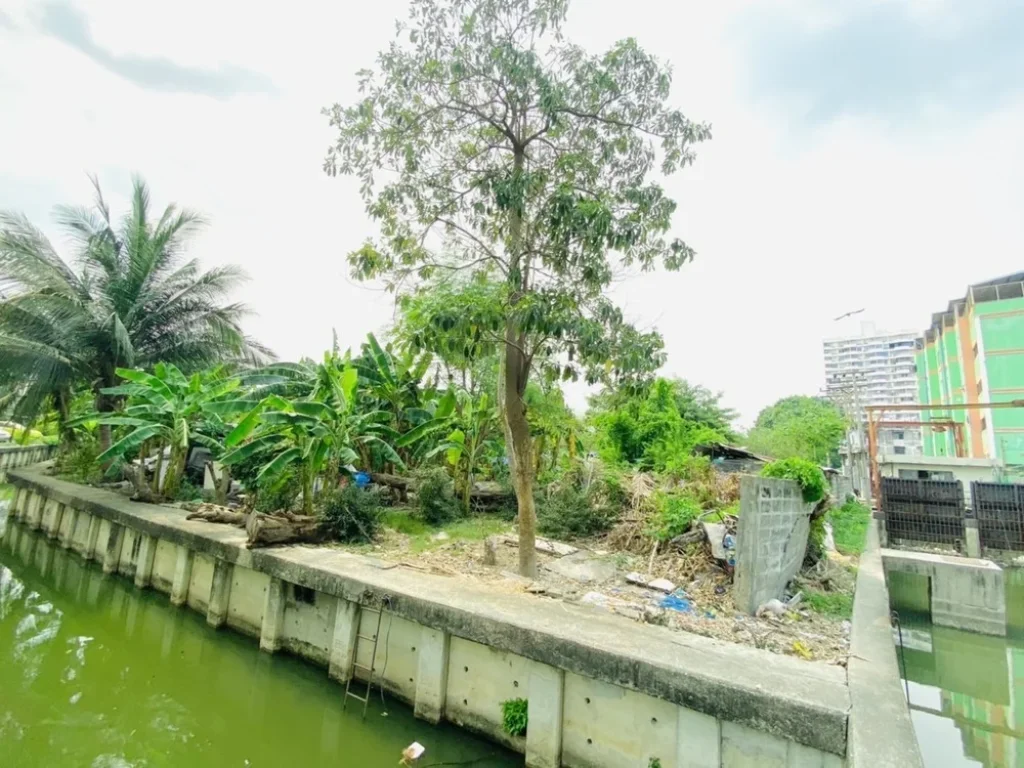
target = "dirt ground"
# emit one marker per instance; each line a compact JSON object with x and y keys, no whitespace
{"x":701,"y":601}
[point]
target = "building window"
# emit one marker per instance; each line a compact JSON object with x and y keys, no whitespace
{"x":899,"y":450}
{"x":897,"y":435}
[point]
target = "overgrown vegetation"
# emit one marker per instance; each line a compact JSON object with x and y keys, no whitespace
{"x":850,"y":526}
{"x":515,"y":716}
{"x":836,"y":604}
{"x":807,"y":475}
{"x":351,"y":514}
{"x":802,"y":427}
{"x":435,"y":496}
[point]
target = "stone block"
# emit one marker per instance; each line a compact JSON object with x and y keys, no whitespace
{"x":220,"y":594}
{"x":182,"y":576}
{"x":273,"y":616}
{"x":112,"y":548}
{"x":144,"y":566}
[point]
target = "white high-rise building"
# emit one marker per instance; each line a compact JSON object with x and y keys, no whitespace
{"x":876,"y":368}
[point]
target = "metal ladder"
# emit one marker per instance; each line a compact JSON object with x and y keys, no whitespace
{"x":370,"y":670}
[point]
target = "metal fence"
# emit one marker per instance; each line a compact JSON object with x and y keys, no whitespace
{"x":930,"y":511}
{"x":999,"y":509}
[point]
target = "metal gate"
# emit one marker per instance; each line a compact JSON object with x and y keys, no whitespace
{"x":999,"y":509}
{"x":925,"y":511}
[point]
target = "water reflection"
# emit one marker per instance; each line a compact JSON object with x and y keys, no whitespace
{"x":966,"y":696}
{"x":108,"y":676}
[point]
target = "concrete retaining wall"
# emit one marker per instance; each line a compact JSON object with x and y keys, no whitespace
{"x":881,"y":732}
{"x":771,"y":540}
{"x":602,"y":691}
{"x":965,"y":593}
{"x":14,"y":456}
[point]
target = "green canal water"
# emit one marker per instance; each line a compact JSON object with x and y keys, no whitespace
{"x":966,"y":691}
{"x":96,"y":673}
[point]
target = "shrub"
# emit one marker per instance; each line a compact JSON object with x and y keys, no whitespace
{"x":674,"y":513}
{"x":568,"y":512}
{"x":351,"y":514}
{"x":850,"y":526}
{"x":77,"y":461}
{"x":279,"y":494}
{"x":435,"y":497}
{"x":188,"y":492}
{"x":515,"y":716}
{"x":807,"y":475}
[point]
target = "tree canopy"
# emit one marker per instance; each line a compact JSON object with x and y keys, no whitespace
{"x":486,"y":142}
{"x":800,"y":426}
{"x":128,"y":298}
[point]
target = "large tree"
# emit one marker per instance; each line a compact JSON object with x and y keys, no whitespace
{"x":487,"y":142}
{"x":128,"y":298}
{"x":801,"y":426}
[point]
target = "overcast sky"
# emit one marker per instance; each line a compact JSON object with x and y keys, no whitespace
{"x":865,"y":154}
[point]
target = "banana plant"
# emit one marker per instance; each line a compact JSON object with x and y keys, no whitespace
{"x":320,"y":435}
{"x":166,"y":409}
{"x":473,"y":432}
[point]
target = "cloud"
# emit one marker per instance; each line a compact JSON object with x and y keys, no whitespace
{"x":70,"y":26}
{"x":889,"y":59}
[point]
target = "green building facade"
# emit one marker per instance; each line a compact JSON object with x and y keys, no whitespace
{"x":974,"y":352}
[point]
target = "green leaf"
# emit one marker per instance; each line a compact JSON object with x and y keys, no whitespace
{"x":418,"y":433}
{"x":251,"y":448}
{"x":446,"y":405}
{"x":244,"y":428}
{"x":129,"y":443}
{"x":280,"y":462}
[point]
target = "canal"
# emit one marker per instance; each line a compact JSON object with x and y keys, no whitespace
{"x":94,"y":672}
{"x":966,"y":690}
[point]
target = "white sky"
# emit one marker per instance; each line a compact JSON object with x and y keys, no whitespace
{"x":830,"y":185}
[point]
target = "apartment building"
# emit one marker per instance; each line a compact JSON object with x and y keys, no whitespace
{"x":876,"y":368}
{"x":974,"y":352}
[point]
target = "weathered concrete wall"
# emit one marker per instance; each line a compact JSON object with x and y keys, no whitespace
{"x":966,"y":593}
{"x":14,"y":456}
{"x":771,"y":540}
{"x":881,"y":733}
{"x":841,"y":488}
{"x":602,"y":692}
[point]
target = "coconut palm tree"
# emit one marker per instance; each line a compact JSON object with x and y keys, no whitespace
{"x":127,"y":298}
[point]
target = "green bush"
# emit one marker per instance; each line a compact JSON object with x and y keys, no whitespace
{"x":188,"y":492}
{"x":435,"y":497}
{"x":850,"y":526}
{"x":350,"y":514}
{"x":280,"y":494}
{"x":807,"y":475}
{"x":77,"y":461}
{"x":568,"y":512}
{"x":674,"y":512}
{"x":515,"y":716}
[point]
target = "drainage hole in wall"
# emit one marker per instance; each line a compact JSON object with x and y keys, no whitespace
{"x":590,"y":741}
{"x":654,"y":721}
{"x":465,"y":702}
{"x":410,"y":679}
{"x":465,"y":669}
{"x":414,"y":649}
{"x":587,"y":699}
{"x":515,"y":683}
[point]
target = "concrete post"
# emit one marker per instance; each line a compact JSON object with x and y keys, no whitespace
{"x":432,"y":675}
{"x":34,"y":511}
{"x":93,"y":539}
{"x":972,"y":537}
{"x":273,"y":616}
{"x":544,"y":736}
{"x":698,"y":740}
{"x":343,"y":642}
{"x":18,"y":502}
{"x":54,"y":513}
{"x":220,"y":593}
{"x":883,"y":535}
{"x":65,"y":542}
{"x":144,"y":568}
{"x":112,"y":551}
{"x":182,"y":576}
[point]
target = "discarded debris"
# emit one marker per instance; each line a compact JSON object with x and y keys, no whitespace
{"x":773,"y":607}
{"x":411,"y":753}
{"x":547,"y":546}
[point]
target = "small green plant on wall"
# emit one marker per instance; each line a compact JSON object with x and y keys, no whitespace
{"x":514,"y":716}
{"x":654,"y":762}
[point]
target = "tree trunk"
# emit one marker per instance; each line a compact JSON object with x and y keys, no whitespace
{"x":519,"y":446}
{"x":157,"y":467}
{"x":307,"y":490}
